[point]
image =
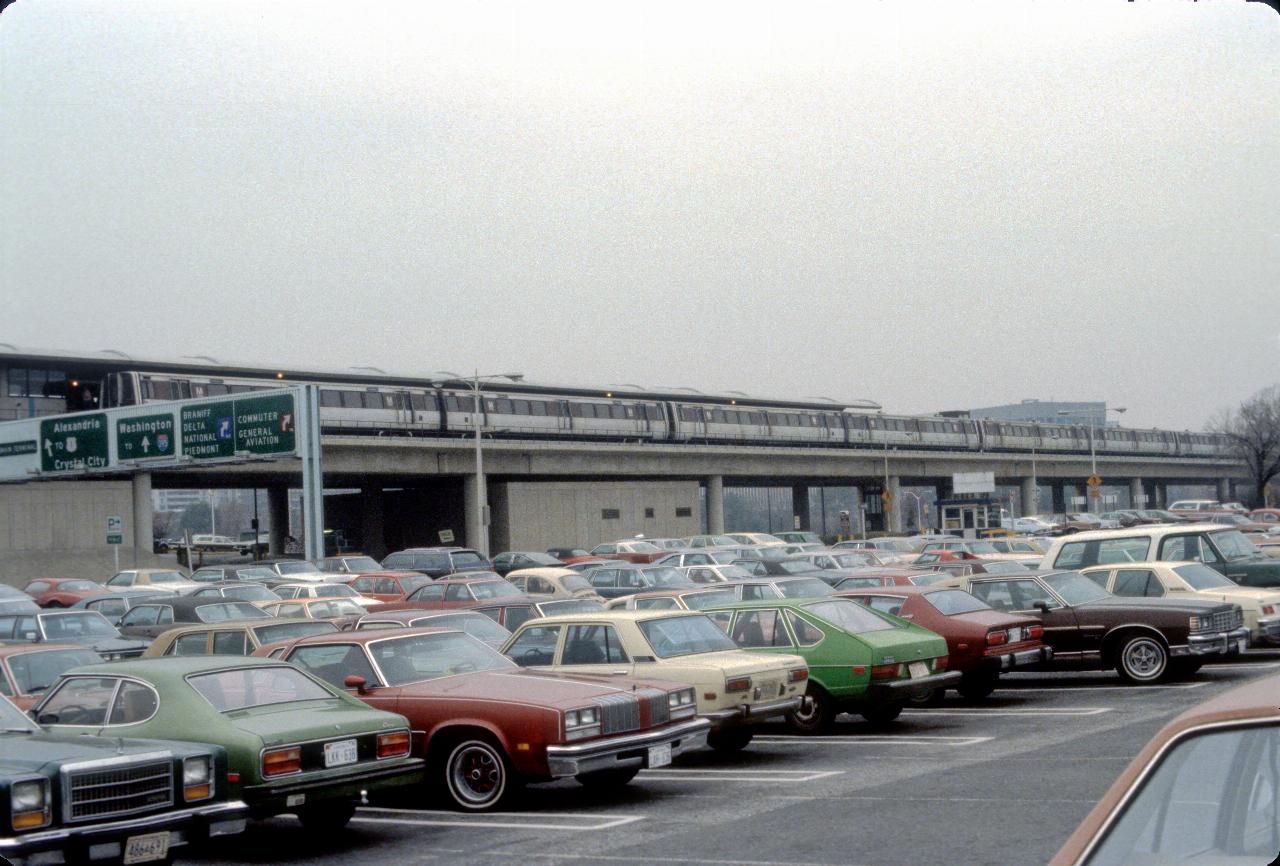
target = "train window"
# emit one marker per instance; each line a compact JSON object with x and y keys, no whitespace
{"x":538,"y":408}
{"x":418,"y":402}
{"x":217,"y":389}
{"x":452,"y":404}
{"x":520,"y":407}
{"x":616,"y":411}
{"x":199,"y":389}
{"x":502,"y":406}
{"x":757,"y":417}
{"x":631,"y":411}
{"x":575,"y":409}
{"x":718,"y":416}
{"x":329,"y":398}
{"x":239,"y":389}
{"x":489,"y":405}
{"x":389,"y":401}
{"x":688,"y":413}
{"x":352,"y":399}
{"x":182,"y":388}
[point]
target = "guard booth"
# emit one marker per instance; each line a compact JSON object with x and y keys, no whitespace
{"x":969,"y":518}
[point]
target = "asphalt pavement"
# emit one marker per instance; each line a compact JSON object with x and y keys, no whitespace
{"x":1002,"y":781}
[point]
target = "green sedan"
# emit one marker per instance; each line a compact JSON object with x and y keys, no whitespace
{"x":294,"y":743}
{"x":860,"y":660}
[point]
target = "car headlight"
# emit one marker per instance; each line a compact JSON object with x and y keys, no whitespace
{"x":197,"y":778}
{"x":581,"y":723}
{"x":682,"y":703}
{"x":1197,"y":623}
{"x":29,"y":804}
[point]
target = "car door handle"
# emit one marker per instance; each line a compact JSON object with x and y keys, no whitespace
{"x":622,"y":673}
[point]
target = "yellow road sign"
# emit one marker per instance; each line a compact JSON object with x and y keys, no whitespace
{"x":1094,"y":481}
{"x":887,"y":497}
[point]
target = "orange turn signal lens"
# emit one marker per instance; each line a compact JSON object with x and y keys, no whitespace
{"x":281,"y":762}
{"x":197,"y":792}
{"x":29,"y":820}
{"x":393,"y":745}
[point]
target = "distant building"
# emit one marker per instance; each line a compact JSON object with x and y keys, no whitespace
{"x":1046,"y":412}
{"x":177,"y":500}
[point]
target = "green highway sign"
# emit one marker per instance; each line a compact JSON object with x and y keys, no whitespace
{"x":16,"y":449}
{"x":74,"y":443}
{"x":265,"y":425}
{"x":208,"y":430}
{"x":145,"y":436}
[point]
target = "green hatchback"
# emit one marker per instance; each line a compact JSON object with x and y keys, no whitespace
{"x":860,"y":660}
{"x":294,"y":743}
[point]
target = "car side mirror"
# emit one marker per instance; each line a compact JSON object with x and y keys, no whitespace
{"x":1042,"y":606}
{"x":357,"y":682}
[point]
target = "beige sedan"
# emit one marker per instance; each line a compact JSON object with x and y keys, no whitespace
{"x":1261,"y":607}
{"x":550,"y":582}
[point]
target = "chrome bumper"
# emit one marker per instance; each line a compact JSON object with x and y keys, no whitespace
{"x":764,"y":710}
{"x":627,"y":750}
{"x":89,"y":842}
{"x":1217,"y":643}
{"x":1269,"y":629}
{"x":1009,"y":661}
{"x":902,"y":689}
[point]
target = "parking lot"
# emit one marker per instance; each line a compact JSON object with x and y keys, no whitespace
{"x":1003,"y":781}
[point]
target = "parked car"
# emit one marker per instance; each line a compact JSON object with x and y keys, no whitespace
{"x":385,"y":586}
{"x":14,"y":600}
{"x":294,"y":744}
{"x":356,"y":563}
{"x":733,"y":688}
{"x":888,"y":551}
{"x":556,"y":582}
{"x":1266,"y":515}
{"x":316,"y":608}
{"x":479,"y":626}
{"x":637,"y":551}
{"x":28,"y":669}
{"x":1127,"y":518}
{"x":1066,"y":524}
{"x":83,"y":627}
{"x":1242,"y":523}
{"x":255,"y":593}
{"x":711,"y":541}
{"x":480,"y":744}
{"x":980,"y":549}
{"x":619,"y":579}
{"x":62,"y":591}
{"x":293,"y":571}
{"x":1201,"y":791}
{"x":706,"y":556}
{"x":871,"y":577}
{"x":1221,"y":548}
{"x":520,"y":559}
{"x":1162,"y":516}
{"x":781,"y":568}
{"x":840,"y":561}
{"x":323,"y":590}
{"x":715,"y":573}
{"x":798,"y":537}
{"x":1030,"y":548}
{"x":982,"y":642}
{"x":586,"y":564}
{"x":1034,"y":525}
{"x":435,"y":561}
{"x":762,"y":539}
{"x":1195,"y":505}
{"x":698,"y":598}
{"x":157,"y":615}
{"x":165,"y":795}
{"x":114,"y":605}
{"x":164,"y":578}
{"x":860,"y":661}
{"x":798,"y":586}
{"x":223,"y":573}
{"x":460,"y":590}
{"x":233,"y":638}
{"x":1145,"y":639}
{"x":1261,"y":607}
{"x":566,"y":553}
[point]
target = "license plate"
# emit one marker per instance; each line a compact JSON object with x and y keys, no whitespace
{"x":143,"y":849}
{"x":339,"y":753}
{"x":659,"y":756}
{"x":1242,"y":645}
{"x":1015,"y":635}
{"x":918,"y":670}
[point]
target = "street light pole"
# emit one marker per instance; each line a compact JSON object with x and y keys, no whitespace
{"x":1093,"y":432}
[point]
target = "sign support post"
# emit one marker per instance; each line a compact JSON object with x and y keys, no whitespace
{"x":312,"y":474}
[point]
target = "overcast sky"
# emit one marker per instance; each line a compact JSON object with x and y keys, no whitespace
{"x":933,"y":206}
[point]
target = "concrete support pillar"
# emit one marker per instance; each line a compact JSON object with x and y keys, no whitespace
{"x":1160,"y":495}
{"x":715,"y":505}
{"x":1058,"y":493}
{"x":1137,"y":495}
{"x":1030,"y":496}
{"x":373,"y":538}
{"x":500,"y":528}
{"x":142,"y":519}
{"x":893,"y":511}
{"x":473,"y":491}
{"x":800,"y":506}
{"x":278,"y":517}
{"x":1224,"y":490}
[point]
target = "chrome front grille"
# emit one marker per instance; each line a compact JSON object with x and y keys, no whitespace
{"x":618,"y":714}
{"x":659,"y":706}
{"x":1227,"y":620}
{"x":115,"y":787}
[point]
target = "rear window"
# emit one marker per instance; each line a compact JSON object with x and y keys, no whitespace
{"x":953,"y":601}
{"x":465,"y":560}
{"x":229,"y":611}
{"x":850,"y":616}
{"x":686,"y":635}
{"x":1105,"y":551}
{"x":292,"y":630}
{"x":702,"y":600}
{"x":240,"y":688}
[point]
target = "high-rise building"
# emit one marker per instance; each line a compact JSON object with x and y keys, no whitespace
{"x":1045,"y":412}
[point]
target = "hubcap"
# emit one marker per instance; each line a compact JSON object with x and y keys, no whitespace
{"x":1143,"y":659}
{"x":476,"y":773}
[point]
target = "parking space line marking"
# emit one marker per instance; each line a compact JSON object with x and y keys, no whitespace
{"x":1257,"y":666}
{"x":509,"y":820}
{"x":644,"y":858}
{"x":1137,"y":690}
{"x":1000,"y":711}
{"x":693,"y":774}
{"x":875,"y":740}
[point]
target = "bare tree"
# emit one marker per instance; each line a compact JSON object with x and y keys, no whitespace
{"x":1254,"y":433}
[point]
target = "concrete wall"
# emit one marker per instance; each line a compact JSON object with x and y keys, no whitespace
{"x":58,"y":529}
{"x":534,"y":515}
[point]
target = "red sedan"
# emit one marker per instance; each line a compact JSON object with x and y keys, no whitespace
{"x":981,"y":641}
{"x":388,"y":585}
{"x":862,"y":578}
{"x":27,"y":670}
{"x":62,"y":591}
{"x":480,"y":743}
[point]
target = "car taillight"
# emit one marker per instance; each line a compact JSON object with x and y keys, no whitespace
{"x":940,"y":663}
{"x":997,"y":637}
{"x":1035,"y":632}
{"x":1268,"y":609}
{"x":393,"y":745}
{"x":281,"y":762}
{"x":884,"y":672}
{"x":738,"y":684}
{"x":797,"y":675}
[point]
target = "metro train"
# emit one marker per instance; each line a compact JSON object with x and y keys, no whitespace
{"x":431,"y":409}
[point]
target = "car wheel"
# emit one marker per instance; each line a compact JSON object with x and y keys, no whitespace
{"x":816,"y":714}
{"x":975,"y":687}
{"x":1142,"y":659}
{"x":476,"y":775}
{"x":608,"y":778}
{"x":881,"y":714}
{"x":931,"y":698}
{"x":327,"y":817}
{"x":732,"y":740}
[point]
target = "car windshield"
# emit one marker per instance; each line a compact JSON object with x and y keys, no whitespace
{"x":250,"y":593}
{"x":685,"y":635}
{"x":1234,"y":545}
{"x":1202,"y":577}
{"x":36,"y":671}
{"x":852,"y":560}
{"x":796,"y":566}
{"x":569,"y":605}
{"x":486,"y":589}
{"x":733,"y":572}
{"x":241,"y":688}
{"x":298,"y":567}
{"x":293,"y":630}
{"x":477,"y":625}
{"x":343,"y":607}
{"x":361,"y":563}
{"x":334,"y":590}
{"x":256,"y":574}
{"x":14,"y":720}
{"x":69,"y":626}
{"x":421,"y":657}
{"x":850,"y":616}
{"x":927,"y":578}
{"x":703,"y":600}
{"x":981,"y":547}
{"x":952,"y":601}
{"x":809,"y":587}
{"x":1075,"y":588}
{"x":1003,"y":567}
{"x":229,"y":611}
{"x":574,"y":582}
{"x":665,"y":576}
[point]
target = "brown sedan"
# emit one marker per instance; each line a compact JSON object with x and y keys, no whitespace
{"x":1202,"y":791}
